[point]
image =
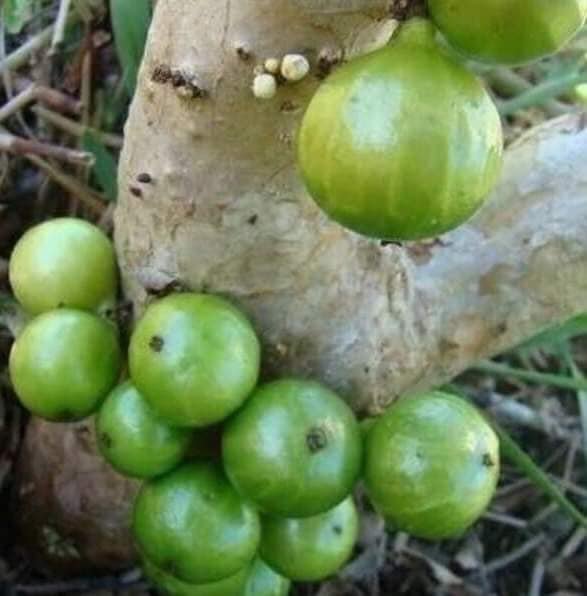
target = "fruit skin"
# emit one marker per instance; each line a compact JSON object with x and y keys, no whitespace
{"x":431,"y":465}
{"x":294,"y":449}
{"x":64,"y":262}
{"x":263,"y":581}
{"x":195,"y":358}
{"x":133,"y":439}
{"x":193,"y":524}
{"x":312,"y":548}
{"x":403,"y":143}
{"x":64,"y":363}
{"x":508,"y":31}
{"x":170,"y":585}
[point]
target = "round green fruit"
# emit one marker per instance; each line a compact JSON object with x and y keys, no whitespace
{"x":64,"y":363}
{"x":263,"y":581}
{"x":64,"y":262}
{"x":312,"y":548}
{"x":133,"y":439}
{"x":432,"y":464}
{"x":294,"y":449}
{"x":508,"y":31}
{"x":170,"y":585}
{"x":195,"y":358}
{"x":403,"y":143}
{"x":193,"y":525}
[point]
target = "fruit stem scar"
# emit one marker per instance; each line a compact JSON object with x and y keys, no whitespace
{"x":156,"y":343}
{"x":488,"y":460}
{"x":316,"y":439}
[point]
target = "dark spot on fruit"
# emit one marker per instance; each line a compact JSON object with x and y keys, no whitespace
{"x":144,"y":178}
{"x":106,"y":440}
{"x":61,"y":305}
{"x":156,"y":343}
{"x":367,"y":370}
{"x":316,"y":439}
{"x":135,"y":191}
{"x":337,"y":530}
{"x":253,"y":219}
{"x":488,"y":460}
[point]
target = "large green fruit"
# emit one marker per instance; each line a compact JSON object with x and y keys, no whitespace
{"x":312,"y":548}
{"x":263,"y":581}
{"x":171,"y":586}
{"x":133,"y":439}
{"x":64,"y":363}
{"x":64,"y":262}
{"x":193,"y":525}
{"x":294,"y":449}
{"x":403,"y":143}
{"x":508,"y":31}
{"x":432,"y":464}
{"x":195,"y":358}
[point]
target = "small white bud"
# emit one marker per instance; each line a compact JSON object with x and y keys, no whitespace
{"x":264,"y":86}
{"x":294,"y":67}
{"x":272,"y":65}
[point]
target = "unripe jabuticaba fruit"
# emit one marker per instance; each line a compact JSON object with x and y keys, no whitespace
{"x":508,"y":31}
{"x":403,"y":143}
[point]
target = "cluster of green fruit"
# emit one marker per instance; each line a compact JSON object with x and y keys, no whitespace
{"x":277,"y":504}
{"x":405,"y":143}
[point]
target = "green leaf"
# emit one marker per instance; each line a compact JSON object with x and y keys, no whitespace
{"x":130,"y":23}
{"x":105,"y":167}
{"x":17,"y":13}
{"x":555,"y":336}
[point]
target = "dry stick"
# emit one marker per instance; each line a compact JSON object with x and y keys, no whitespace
{"x":77,"y":129}
{"x":19,"y":146}
{"x":18,"y":102}
{"x":60,"y":25}
{"x":515,"y":555}
{"x":537,"y":579}
{"x":20,"y":56}
{"x":89,"y":198}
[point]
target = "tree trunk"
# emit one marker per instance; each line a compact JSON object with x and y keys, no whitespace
{"x":210,"y":199}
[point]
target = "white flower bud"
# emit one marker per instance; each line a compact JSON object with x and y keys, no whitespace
{"x":294,"y":67}
{"x":264,"y":86}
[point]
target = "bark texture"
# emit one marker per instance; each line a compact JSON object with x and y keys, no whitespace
{"x":210,"y":198}
{"x":226,"y":212}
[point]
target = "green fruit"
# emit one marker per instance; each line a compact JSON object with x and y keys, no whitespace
{"x":508,"y":31}
{"x":263,"y":581}
{"x":64,"y":363}
{"x":133,"y":439}
{"x":195,"y":358}
{"x":64,"y":262}
{"x":403,"y":143}
{"x":170,"y":585}
{"x":294,"y":449}
{"x":312,"y":548}
{"x":192,"y":524}
{"x":432,"y":464}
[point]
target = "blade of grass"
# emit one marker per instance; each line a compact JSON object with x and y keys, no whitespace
{"x":511,"y":451}
{"x":503,"y":370}
{"x":17,"y":13}
{"x":130,"y":23}
{"x":105,"y":167}
{"x":581,"y":395}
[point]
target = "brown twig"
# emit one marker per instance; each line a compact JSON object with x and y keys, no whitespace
{"x":82,"y":585}
{"x":525,"y":549}
{"x":77,"y":129}
{"x":19,"y":146}
{"x":88,"y":197}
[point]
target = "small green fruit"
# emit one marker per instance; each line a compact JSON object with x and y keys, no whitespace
{"x":263,"y":581}
{"x":294,"y":449}
{"x":508,"y":31}
{"x":171,"y":586}
{"x":194,"y":358}
{"x":64,"y":262}
{"x":312,"y":548}
{"x":193,"y":525}
{"x":403,"y":143}
{"x":432,"y":464}
{"x":64,"y":363}
{"x":133,"y":439}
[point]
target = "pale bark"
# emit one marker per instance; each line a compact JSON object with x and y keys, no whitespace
{"x":225,"y":211}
